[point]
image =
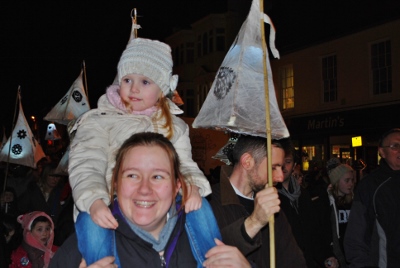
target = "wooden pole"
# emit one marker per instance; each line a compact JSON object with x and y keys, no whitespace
{"x":271,"y":221}
{"x":85,"y":77}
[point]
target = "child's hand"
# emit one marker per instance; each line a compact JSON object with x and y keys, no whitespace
{"x":101,"y":215}
{"x":194,"y":200}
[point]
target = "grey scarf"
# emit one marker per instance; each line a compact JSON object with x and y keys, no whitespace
{"x":165,"y":232}
{"x":292,"y":193}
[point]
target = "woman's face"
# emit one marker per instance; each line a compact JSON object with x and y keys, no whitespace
{"x":41,"y":231}
{"x":346,"y":184}
{"x":146,"y":189}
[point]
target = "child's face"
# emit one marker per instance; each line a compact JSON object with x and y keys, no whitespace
{"x":138,"y":92}
{"x":41,"y":231}
{"x":346,"y":184}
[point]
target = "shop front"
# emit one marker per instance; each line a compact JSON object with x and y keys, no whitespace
{"x":351,"y":135}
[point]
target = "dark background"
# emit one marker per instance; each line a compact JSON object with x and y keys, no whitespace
{"x":43,"y":43}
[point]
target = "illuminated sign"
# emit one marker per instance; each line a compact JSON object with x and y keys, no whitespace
{"x":356,"y":141}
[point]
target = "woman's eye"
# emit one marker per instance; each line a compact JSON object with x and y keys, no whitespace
{"x":158,"y":177}
{"x":133,"y":176}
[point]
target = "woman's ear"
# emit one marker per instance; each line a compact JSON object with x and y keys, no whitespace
{"x":178,"y":186}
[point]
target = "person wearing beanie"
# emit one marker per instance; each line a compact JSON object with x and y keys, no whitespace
{"x":340,"y":193}
{"x":138,"y":103}
{"x":37,"y":246}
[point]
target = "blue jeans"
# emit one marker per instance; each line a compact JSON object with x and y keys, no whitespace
{"x":95,"y":242}
{"x":201,"y":228}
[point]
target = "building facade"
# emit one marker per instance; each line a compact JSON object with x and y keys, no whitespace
{"x":336,"y":90}
{"x":328,"y":93}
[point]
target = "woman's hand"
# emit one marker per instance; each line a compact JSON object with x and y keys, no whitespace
{"x":331,"y":262}
{"x":101,"y":215}
{"x":194,"y":200}
{"x":225,"y":256}
{"x":106,"y":262}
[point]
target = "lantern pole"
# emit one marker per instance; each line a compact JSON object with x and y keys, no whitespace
{"x":271,"y":221}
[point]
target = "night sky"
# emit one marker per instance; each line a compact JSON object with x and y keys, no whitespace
{"x":43,"y":43}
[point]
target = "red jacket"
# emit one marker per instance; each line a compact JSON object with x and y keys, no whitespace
{"x":19,"y":258}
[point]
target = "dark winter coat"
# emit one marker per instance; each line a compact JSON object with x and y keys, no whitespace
{"x":132,"y":250}
{"x":311,"y":227}
{"x":372,"y":236}
{"x":231,"y":214}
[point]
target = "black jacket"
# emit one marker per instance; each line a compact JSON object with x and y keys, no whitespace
{"x":230,"y":215}
{"x":373,"y":230}
{"x":310,"y":225}
{"x":132,"y":250}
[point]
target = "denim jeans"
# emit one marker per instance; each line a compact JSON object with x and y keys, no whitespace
{"x":95,"y":242}
{"x":201,"y":228}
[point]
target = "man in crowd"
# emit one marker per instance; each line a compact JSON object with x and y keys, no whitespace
{"x":243,"y":203}
{"x":372,"y":236}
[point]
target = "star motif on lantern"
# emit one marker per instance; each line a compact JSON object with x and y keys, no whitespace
{"x":21,"y":134}
{"x":16,"y":149}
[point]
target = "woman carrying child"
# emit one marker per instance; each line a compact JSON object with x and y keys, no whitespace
{"x":138,"y":103}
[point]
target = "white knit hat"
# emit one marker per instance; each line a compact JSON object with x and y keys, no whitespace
{"x":150,"y":58}
{"x":336,"y":170}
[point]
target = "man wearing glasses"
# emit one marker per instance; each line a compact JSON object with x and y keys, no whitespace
{"x":372,"y":237}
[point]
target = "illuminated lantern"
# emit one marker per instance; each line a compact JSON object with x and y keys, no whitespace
{"x":52,"y":133}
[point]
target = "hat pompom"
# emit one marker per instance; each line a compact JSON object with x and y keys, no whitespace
{"x":332,"y":163}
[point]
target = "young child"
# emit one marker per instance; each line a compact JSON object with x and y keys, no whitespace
{"x":138,"y":104}
{"x":37,"y":247}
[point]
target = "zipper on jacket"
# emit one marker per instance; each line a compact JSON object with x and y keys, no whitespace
{"x":163,"y":263}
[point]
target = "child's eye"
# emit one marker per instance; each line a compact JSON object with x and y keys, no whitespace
{"x":146,"y":82}
{"x":127,"y":80}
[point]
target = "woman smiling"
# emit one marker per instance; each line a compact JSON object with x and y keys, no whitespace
{"x":153,"y":230}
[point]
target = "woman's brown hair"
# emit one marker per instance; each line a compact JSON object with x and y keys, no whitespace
{"x":149,"y":139}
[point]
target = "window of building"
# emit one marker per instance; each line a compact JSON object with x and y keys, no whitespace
{"x":205,"y":44}
{"x":211,"y":41}
{"x":176,"y":60}
{"x":287,"y":86}
{"x":189,"y":52}
{"x":199,"y":46}
{"x":329,"y":78}
{"x":181,"y":55}
{"x":381,"y":67}
{"x":220,"y":39}
{"x":201,"y":96}
{"x":190,"y":103}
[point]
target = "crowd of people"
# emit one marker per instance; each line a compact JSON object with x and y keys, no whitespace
{"x":134,"y":197}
